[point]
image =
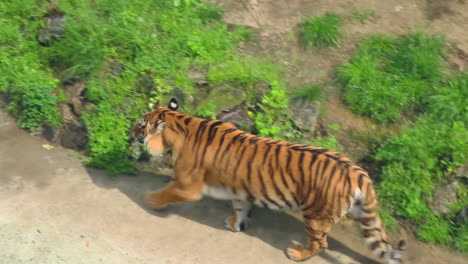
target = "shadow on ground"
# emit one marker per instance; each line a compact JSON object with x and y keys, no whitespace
{"x":275,"y":228}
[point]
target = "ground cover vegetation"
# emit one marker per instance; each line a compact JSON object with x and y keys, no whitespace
{"x":131,"y":54}
{"x":404,"y":79}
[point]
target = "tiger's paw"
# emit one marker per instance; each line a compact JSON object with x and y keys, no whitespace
{"x":231,"y":224}
{"x":154,"y":200}
{"x":298,"y":252}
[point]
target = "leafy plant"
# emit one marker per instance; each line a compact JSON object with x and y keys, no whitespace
{"x":207,"y":111}
{"x":321,"y":31}
{"x":328,"y":142}
{"x":404,"y":70}
{"x":309,"y":93}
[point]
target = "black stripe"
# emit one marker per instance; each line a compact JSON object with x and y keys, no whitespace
{"x":265,"y":154}
{"x":181,"y":128}
{"x":240,"y":159}
{"x":249,"y":164}
{"x":280,"y":194}
{"x":301,"y":167}
{"x":199,"y":133}
{"x":220,"y":145}
{"x":374,"y":245}
{"x":187,"y":120}
{"x":250,"y":197}
{"x":264,"y":190}
{"x":211,"y":135}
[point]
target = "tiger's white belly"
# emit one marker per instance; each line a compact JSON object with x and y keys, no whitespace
{"x":222,"y":193}
{"x":226,"y":193}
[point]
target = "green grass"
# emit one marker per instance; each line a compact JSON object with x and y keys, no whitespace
{"x":403,"y":70}
{"x":363,"y":15}
{"x":309,"y":93}
{"x":321,"y":31}
{"x":154,"y":43}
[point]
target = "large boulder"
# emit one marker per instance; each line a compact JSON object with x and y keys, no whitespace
{"x":304,"y":114}
{"x":74,"y":92}
{"x":444,"y":197}
{"x":238,"y":117}
{"x":54,"y":26}
{"x":225,"y":97}
{"x":462,"y":172}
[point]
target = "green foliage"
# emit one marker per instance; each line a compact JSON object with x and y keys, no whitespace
{"x":272,"y":120}
{"x":328,"y":142}
{"x":402,"y":70}
{"x":30,"y":86}
{"x":417,"y":160}
{"x":309,"y":93}
{"x":388,"y":220}
{"x":322,"y":31}
{"x":126,"y":52}
{"x":244,"y":71}
{"x":434,"y":230}
{"x":207,"y":111}
{"x":461,"y":238}
{"x":449,"y":103}
{"x":108,"y":141}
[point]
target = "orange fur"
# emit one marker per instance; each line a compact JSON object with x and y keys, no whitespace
{"x":215,"y":158}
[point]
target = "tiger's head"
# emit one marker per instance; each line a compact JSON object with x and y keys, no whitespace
{"x":151,"y":131}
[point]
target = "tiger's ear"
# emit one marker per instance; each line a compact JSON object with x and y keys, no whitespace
{"x":173,"y":104}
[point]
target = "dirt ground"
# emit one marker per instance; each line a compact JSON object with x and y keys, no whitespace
{"x":275,"y":22}
{"x":54,"y":210}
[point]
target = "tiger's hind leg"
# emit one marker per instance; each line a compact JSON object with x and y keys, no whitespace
{"x":239,"y":221}
{"x":317,"y":231}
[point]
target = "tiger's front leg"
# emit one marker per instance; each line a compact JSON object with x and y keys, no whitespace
{"x":175,"y":192}
{"x":239,"y":221}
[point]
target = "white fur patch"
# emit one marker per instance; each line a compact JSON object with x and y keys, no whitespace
{"x":219,"y":192}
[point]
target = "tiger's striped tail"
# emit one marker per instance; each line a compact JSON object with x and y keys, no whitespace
{"x":365,"y":212}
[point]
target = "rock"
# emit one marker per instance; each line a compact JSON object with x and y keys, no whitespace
{"x":304,"y":114}
{"x":462,"y":172}
{"x":225,"y":97}
{"x":145,"y":84}
{"x":461,"y":218}
{"x":238,"y":117}
{"x":75,"y":93}
{"x":53,"y":29}
{"x":157,"y":164}
{"x":260,"y":89}
{"x":67,"y":114}
{"x":198,"y":77}
{"x":117,"y":68}
{"x":443,"y":197}
{"x":74,"y":136}
{"x":52,"y":134}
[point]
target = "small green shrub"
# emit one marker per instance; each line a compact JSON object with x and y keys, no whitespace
{"x":449,"y":103}
{"x":461,"y":238}
{"x":434,"y":230}
{"x":322,"y":31}
{"x":328,"y":142}
{"x":309,"y":93}
{"x":403,"y":70}
{"x":108,"y":141}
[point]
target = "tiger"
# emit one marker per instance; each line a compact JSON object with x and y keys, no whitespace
{"x":216,"y":159}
